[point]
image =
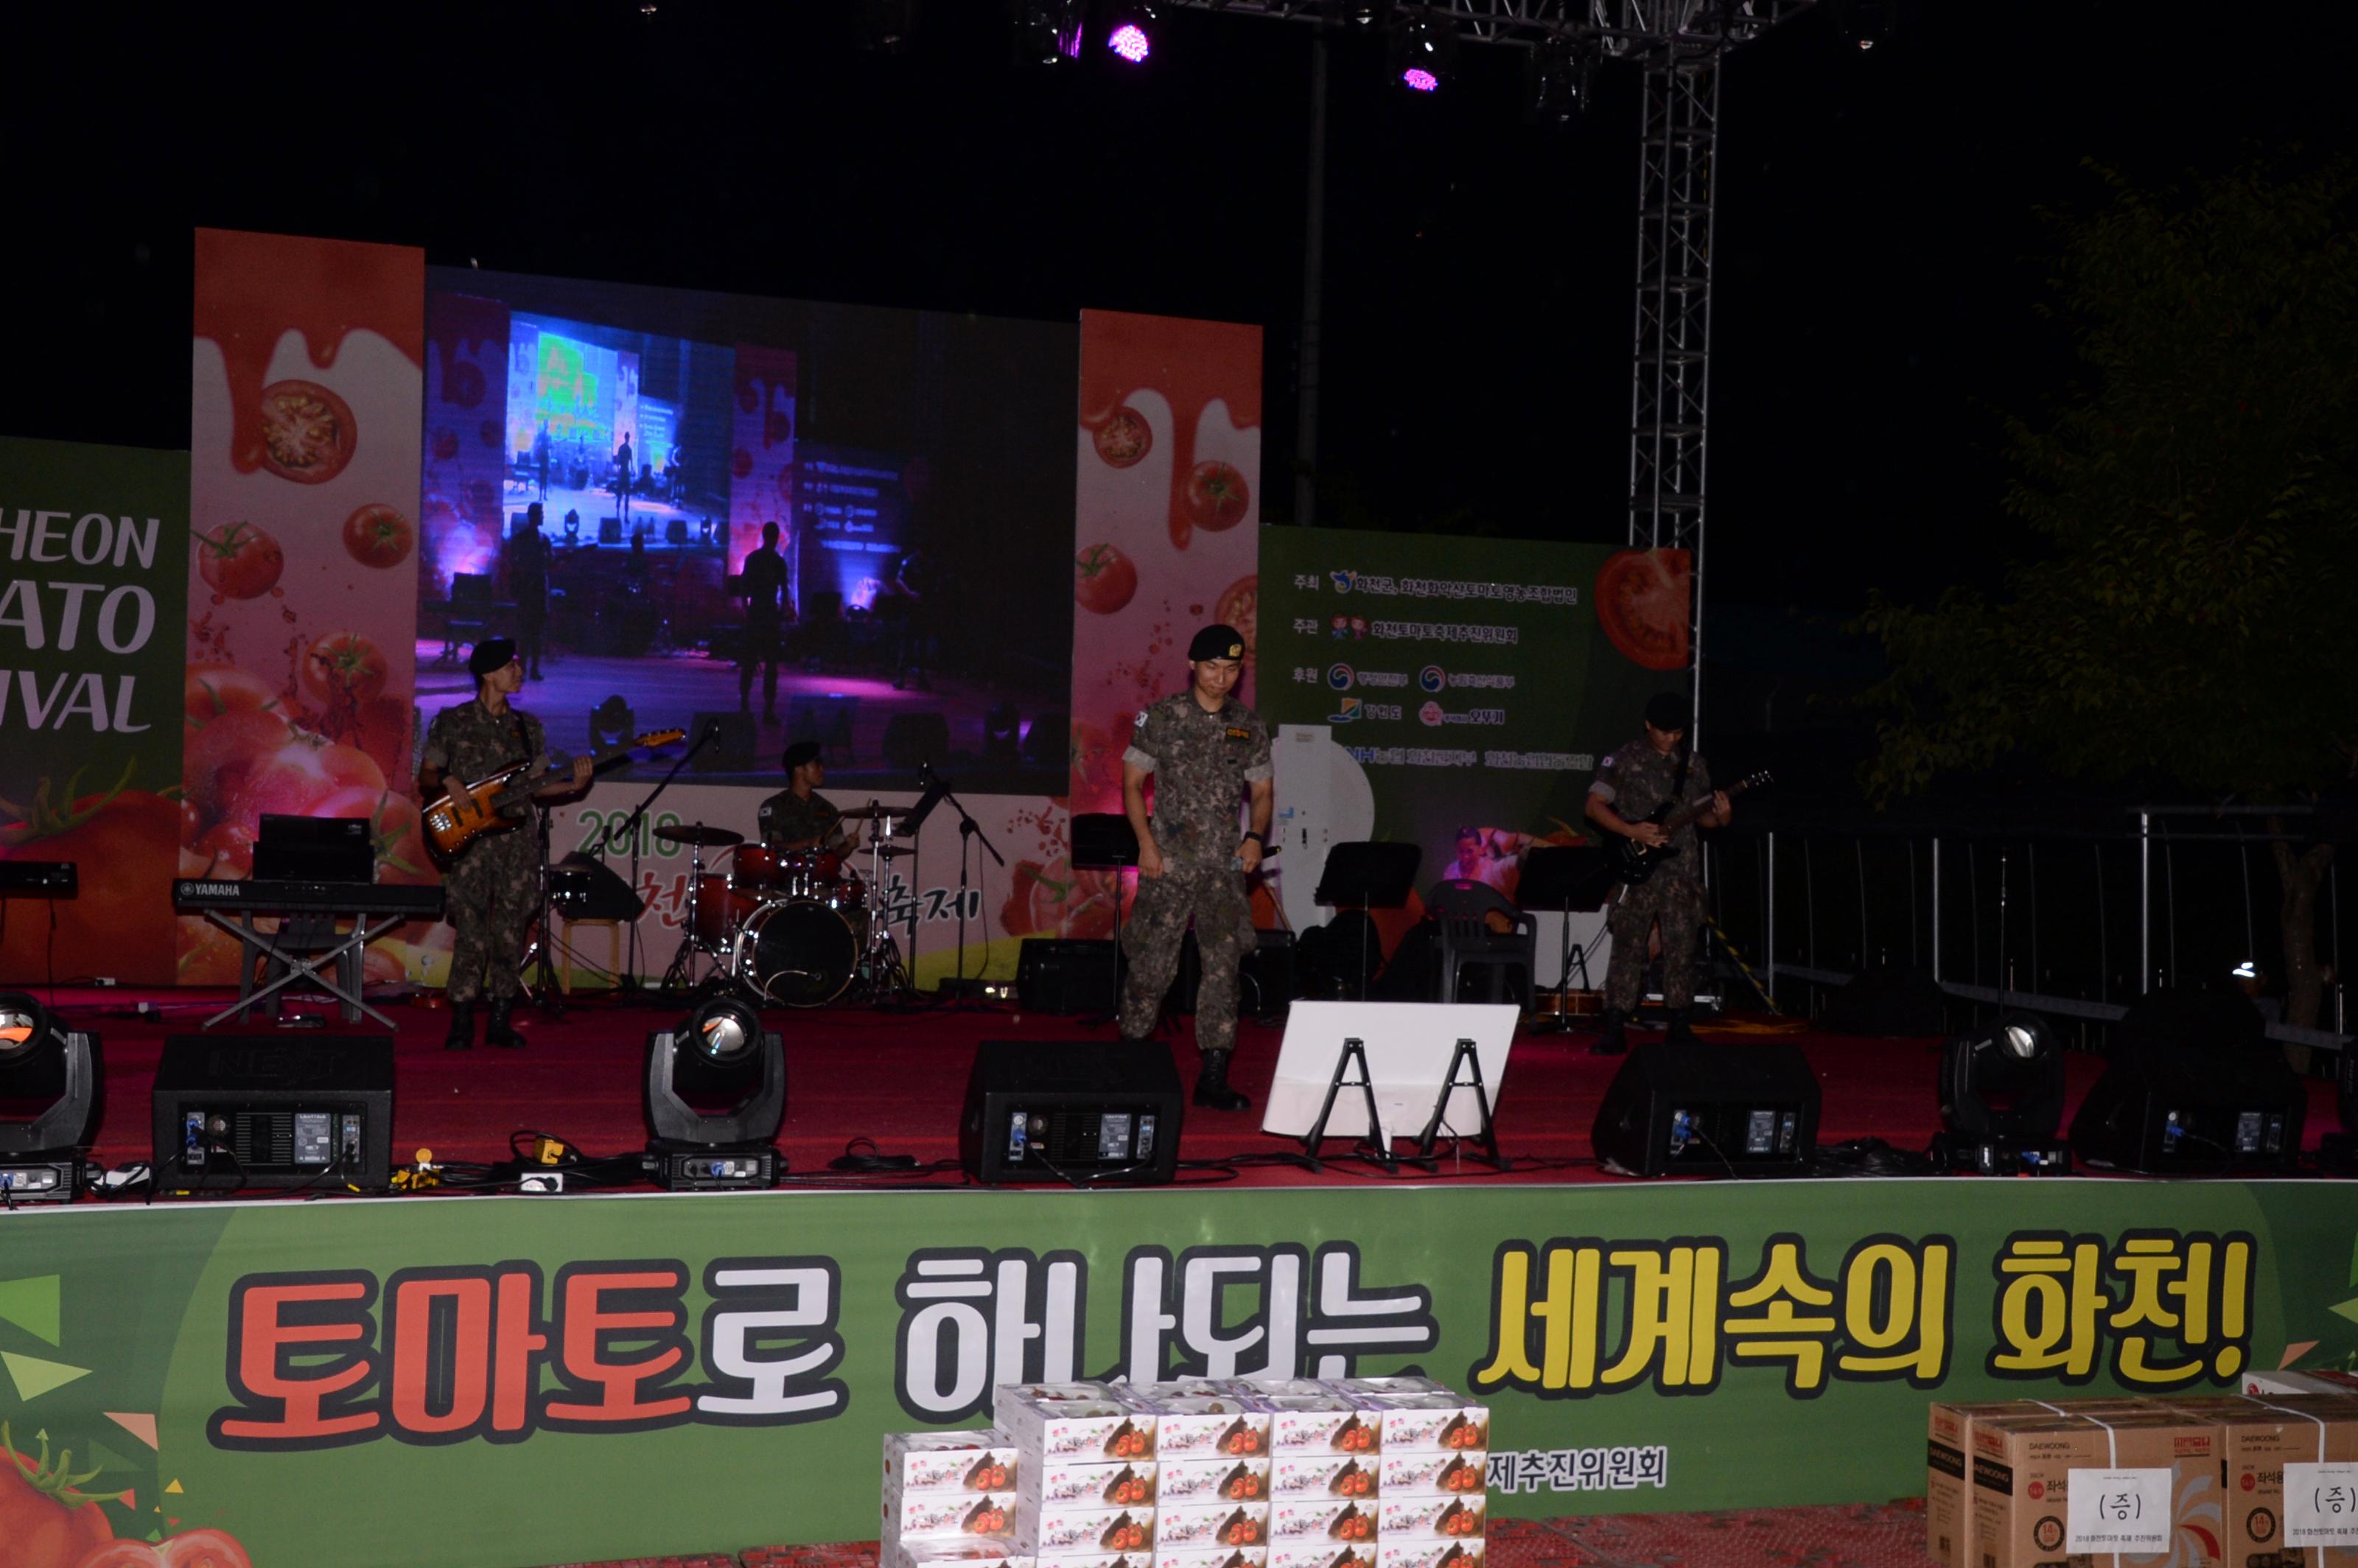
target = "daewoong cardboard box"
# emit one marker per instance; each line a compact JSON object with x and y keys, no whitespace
{"x":1948,"y":1522}
{"x":2023,"y":1469}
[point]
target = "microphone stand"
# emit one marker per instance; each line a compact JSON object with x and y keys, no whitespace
{"x":629,"y":979}
{"x":968,"y":828}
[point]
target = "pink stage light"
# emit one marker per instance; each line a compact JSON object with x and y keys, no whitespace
{"x":1420,"y":80}
{"x":1130,"y":42}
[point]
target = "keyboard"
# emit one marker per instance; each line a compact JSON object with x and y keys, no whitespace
{"x":286,"y":897}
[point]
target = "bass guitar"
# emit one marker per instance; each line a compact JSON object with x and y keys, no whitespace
{"x":467,"y":811}
{"x":1633,"y":863}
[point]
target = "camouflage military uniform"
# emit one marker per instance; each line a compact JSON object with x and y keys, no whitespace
{"x":1201,"y":763}
{"x":491,"y":890}
{"x":1633,"y":781}
{"x":787,"y":818}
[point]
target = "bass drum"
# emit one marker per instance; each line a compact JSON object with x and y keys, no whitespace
{"x":795,"y":952}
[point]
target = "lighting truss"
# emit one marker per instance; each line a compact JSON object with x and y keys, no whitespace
{"x":1644,"y":27}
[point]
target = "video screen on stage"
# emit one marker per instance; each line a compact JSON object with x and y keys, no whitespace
{"x":762,"y":520}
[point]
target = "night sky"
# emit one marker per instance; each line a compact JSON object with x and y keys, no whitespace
{"x":1879,"y":258}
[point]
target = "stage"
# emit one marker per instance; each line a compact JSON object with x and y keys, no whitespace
{"x":899,"y":1078}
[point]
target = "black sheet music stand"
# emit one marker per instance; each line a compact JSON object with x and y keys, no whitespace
{"x":1564,"y":878}
{"x":1105,"y":841}
{"x":1364,"y":875}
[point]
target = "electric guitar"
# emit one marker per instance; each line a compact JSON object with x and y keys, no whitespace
{"x":1633,"y":863}
{"x":467,"y":811}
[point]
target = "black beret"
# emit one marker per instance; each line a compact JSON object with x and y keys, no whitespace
{"x":800,"y":753}
{"x":1216,"y":643}
{"x":490,"y":654}
{"x":1668,"y":710}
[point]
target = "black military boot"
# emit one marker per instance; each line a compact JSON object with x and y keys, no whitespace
{"x":1681,"y":1028}
{"x":462,"y":1027}
{"x":1613,"y":1039}
{"x":498,"y":1031}
{"x":1212,"y":1091}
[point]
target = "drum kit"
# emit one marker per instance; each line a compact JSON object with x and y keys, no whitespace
{"x":795,"y":927}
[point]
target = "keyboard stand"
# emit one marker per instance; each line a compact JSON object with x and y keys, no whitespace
{"x":346,"y":952}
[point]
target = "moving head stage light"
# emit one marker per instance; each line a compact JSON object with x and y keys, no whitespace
{"x":716,"y":1094}
{"x":49,"y":1102}
{"x":2001,"y":1101}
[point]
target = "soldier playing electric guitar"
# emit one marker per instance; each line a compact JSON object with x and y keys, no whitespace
{"x":1631,"y":785}
{"x":490,"y":890}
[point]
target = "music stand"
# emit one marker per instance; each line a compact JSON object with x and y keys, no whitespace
{"x":1105,"y":841}
{"x":1562,"y":879}
{"x":1364,"y":875}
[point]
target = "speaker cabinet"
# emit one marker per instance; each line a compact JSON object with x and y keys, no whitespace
{"x":1736,"y":1110}
{"x":1056,"y":1111}
{"x":1061,"y":975}
{"x":262,"y":1111}
{"x":2194,"y":1085}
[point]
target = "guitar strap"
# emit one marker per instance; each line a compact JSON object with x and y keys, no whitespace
{"x":1679,"y":784}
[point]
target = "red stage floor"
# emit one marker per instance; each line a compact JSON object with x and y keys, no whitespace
{"x":899,"y":1080}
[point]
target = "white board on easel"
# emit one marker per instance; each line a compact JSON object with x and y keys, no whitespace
{"x":1409,"y":1046}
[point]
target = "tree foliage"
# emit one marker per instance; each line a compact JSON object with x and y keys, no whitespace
{"x":2190,"y":613}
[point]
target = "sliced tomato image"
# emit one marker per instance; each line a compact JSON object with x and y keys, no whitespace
{"x":377,"y":535}
{"x":239,"y":560}
{"x":1125,"y":437}
{"x":465,"y":384}
{"x":307,"y":433}
{"x":1104,"y":579}
{"x":1643,"y":604}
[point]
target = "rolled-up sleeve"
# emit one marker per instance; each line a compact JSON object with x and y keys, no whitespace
{"x":1144,"y":741}
{"x":1607,"y":785}
{"x":1259,"y":765}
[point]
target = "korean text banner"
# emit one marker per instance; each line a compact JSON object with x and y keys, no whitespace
{"x":509,"y":1381}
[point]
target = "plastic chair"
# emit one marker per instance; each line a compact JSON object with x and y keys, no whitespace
{"x":1484,"y":937}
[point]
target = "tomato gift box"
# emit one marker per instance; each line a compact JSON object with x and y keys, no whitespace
{"x":1322,"y":1519}
{"x":2022,"y":1469}
{"x":909,"y":1514}
{"x":1207,"y":1525}
{"x":1090,"y":1560}
{"x":1168,"y":1556}
{"x":1189,"y":1425}
{"x":1079,"y":1429}
{"x":1442,"y":1421}
{"x":1441,"y":1473}
{"x":1320,"y":1554}
{"x":935,"y":1553}
{"x":1948,"y":1518}
{"x":1323,"y":1475}
{"x":1320,"y":1424}
{"x":1387,"y":1388}
{"x":949,"y":1461}
{"x":1218,"y":1479}
{"x":1113,"y":1484}
{"x":2259,"y":1443}
{"x":1061,"y":1528}
{"x":1434,"y":1519}
{"x":1429,"y":1553}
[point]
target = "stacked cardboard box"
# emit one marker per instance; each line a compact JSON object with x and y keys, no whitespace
{"x":1211,"y":1442}
{"x":949,"y":1500}
{"x":1086,"y":1495}
{"x":2001,"y":1476}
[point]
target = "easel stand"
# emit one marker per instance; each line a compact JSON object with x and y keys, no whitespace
{"x":1374,"y":1147}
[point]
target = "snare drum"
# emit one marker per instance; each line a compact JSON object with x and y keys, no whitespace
{"x":721,"y":909}
{"x":807,"y":873}
{"x":759,"y":866}
{"x":795,"y":952}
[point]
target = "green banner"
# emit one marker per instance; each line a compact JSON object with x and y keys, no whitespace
{"x":1476,"y":682}
{"x":508,"y":1381}
{"x":94,"y":552}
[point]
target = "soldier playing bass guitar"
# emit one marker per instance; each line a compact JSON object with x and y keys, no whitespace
{"x":1633,"y":784}
{"x":491,"y":889}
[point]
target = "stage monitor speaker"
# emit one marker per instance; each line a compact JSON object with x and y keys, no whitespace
{"x":264,"y":1110}
{"x":825,"y":720}
{"x":1266,"y":983}
{"x":1084,"y":1112}
{"x":1065,"y":976}
{"x":2194,"y":1085}
{"x":913,"y":738}
{"x":732,"y":750}
{"x":1736,"y":1110}
{"x":1888,"y":1002}
{"x":610,"y":530}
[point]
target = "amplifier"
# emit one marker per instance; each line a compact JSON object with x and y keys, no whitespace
{"x":1733,"y":1110}
{"x":1086,"y":1113}
{"x":260,"y":1110}
{"x":39,"y":878}
{"x":1061,"y":975}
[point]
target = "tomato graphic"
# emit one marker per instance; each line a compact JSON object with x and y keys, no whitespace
{"x":490,"y":433}
{"x":1104,"y":579}
{"x":1642,"y":605}
{"x":289,"y":782}
{"x":740,"y":464}
{"x":1125,"y":437}
{"x":127,"y":842}
{"x":216,"y":754}
{"x":308,"y":433}
{"x":443,"y":443}
{"x":210,"y":691}
{"x":377,"y":535}
{"x":343,"y":667}
{"x":464,"y":384}
{"x":1240,"y":605}
{"x":1217,"y":496}
{"x":381,"y":727}
{"x":227,"y":851}
{"x":239,"y":560}
{"x":196,"y":1548}
{"x":1056,"y":899}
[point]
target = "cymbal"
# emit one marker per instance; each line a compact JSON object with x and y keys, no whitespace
{"x":876,"y":813}
{"x":887,"y":851}
{"x":709,"y":838}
